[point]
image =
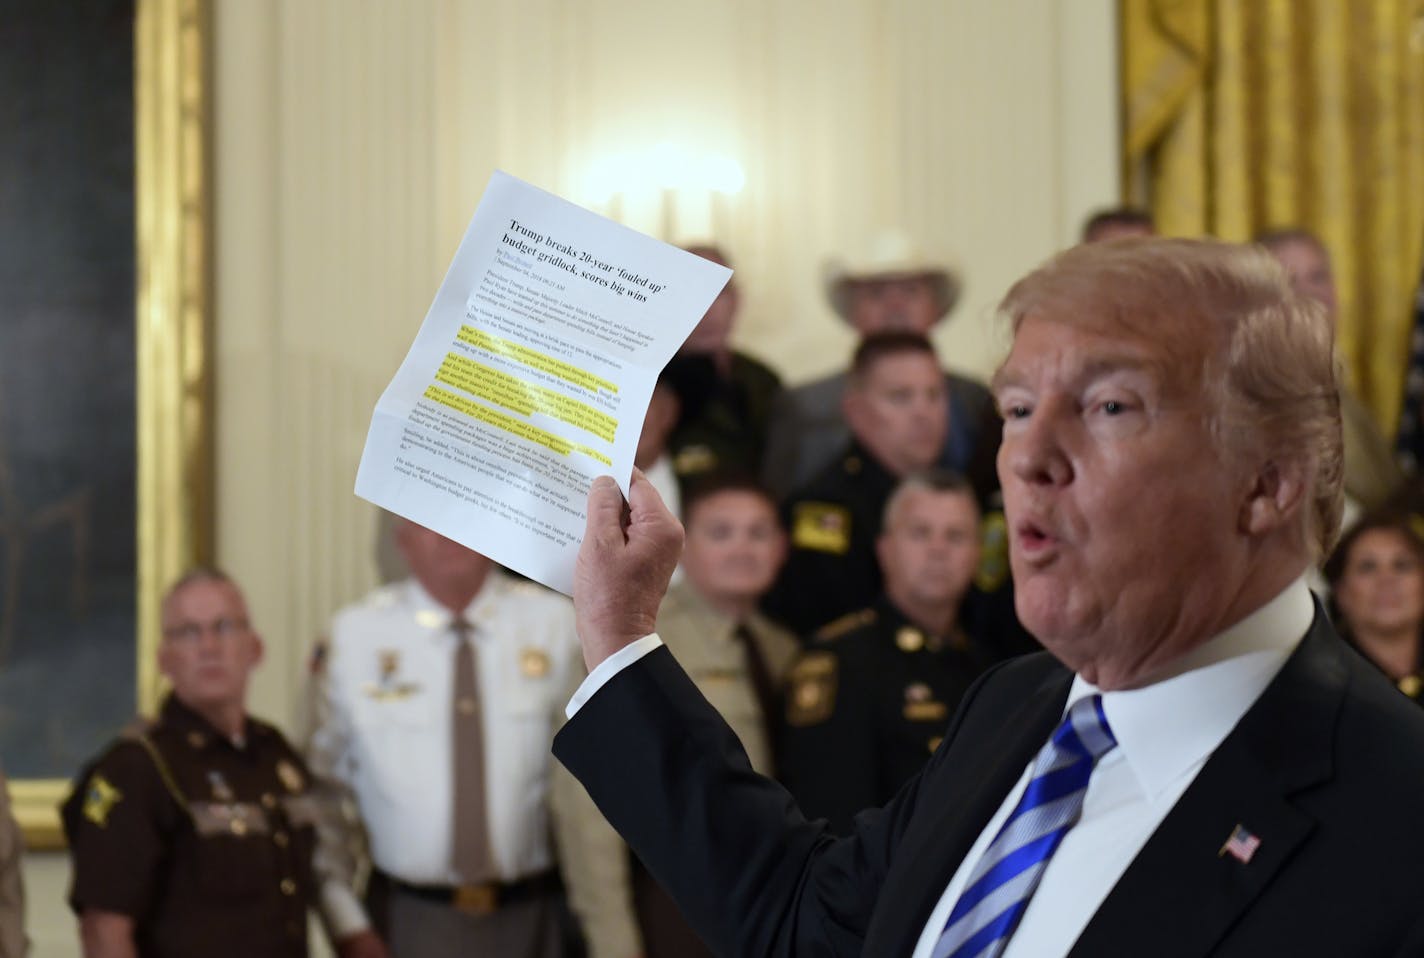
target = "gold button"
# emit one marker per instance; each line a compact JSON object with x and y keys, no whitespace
{"x":281,"y":839}
{"x":269,"y":800}
{"x":238,"y":826}
{"x":288,"y":886}
{"x":466,"y":706}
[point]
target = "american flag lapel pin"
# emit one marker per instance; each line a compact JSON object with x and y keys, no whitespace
{"x":1240,"y":845}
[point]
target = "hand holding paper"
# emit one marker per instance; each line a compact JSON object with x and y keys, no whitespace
{"x":624,"y":565}
{"x":530,"y":376}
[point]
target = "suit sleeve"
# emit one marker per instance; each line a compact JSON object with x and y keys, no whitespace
{"x":749,"y":873}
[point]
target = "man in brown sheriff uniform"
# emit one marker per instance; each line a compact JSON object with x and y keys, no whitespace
{"x":193,"y":834}
{"x":869,"y":699}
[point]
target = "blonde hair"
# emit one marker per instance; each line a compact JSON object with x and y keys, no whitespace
{"x":1226,"y":313}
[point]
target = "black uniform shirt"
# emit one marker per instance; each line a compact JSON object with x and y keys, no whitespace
{"x":833,"y":522}
{"x":207,"y":845}
{"x":723,"y":423}
{"x":866,"y":705}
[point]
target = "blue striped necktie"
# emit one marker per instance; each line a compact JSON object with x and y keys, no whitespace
{"x":1004,"y":879}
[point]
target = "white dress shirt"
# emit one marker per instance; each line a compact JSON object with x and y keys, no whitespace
{"x":1165,"y":733}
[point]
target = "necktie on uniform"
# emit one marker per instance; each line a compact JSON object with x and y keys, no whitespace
{"x":762,"y":683}
{"x":471,"y":856}
{"x":1004,"y":879}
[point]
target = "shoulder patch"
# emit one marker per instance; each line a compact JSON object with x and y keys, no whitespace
{"x":100,"y":797}
{"x":694,"y":459}
{"x":811,"y":689}
{"x":820,"y":527}
{"x":846,"y":623}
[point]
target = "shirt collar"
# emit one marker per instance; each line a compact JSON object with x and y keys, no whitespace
{"x":709,"y":618}
{"x":197,"y":730}
{"x":711,"y":621}
{"x":1168,"y":728}
{"x":436,"y":618}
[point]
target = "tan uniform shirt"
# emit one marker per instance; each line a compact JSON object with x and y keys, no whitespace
{"x":593,"y":858}
{"x":12,"y":892}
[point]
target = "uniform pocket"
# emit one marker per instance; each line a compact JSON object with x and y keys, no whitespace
{"x":235,"y":868}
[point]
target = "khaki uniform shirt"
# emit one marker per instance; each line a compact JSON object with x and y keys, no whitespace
{"x":205,"y":844}
{"x":594,"y":859}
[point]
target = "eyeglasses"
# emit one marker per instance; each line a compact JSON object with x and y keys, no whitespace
{"x":223,"y":628}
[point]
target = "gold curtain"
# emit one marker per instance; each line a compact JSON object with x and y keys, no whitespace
{"x":1244,"y":115}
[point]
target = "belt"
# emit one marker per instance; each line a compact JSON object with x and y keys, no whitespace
{"x":484,"y":898}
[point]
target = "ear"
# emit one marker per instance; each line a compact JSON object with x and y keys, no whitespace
{"x":1275,"y":498}
{"x":259,"y":649}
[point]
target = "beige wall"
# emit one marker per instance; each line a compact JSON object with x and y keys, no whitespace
{"x":354,"y":138}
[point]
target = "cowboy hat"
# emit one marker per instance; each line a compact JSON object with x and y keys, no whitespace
{"x":889,"y":254}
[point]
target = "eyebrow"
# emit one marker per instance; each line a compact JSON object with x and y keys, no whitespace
{"x":1092,"y":370}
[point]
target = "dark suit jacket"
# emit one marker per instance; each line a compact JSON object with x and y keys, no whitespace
{"x":1327,"y":769}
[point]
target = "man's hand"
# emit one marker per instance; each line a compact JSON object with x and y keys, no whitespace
{"x":624,"y":565}
{"x":363,"y":944}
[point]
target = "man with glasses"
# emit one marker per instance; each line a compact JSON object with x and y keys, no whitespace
{"x":193,"y":834}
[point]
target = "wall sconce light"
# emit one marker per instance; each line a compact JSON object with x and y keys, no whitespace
{"x":669,"y":189}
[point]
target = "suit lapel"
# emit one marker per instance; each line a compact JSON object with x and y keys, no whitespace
{"x":966,"y":786}
{"x":1182,"y":894}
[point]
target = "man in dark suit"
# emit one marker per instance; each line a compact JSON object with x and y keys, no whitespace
{"x":1200,"y":767}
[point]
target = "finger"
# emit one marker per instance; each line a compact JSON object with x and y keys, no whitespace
{"x":644,"y":498}
{"x":605,"y":510}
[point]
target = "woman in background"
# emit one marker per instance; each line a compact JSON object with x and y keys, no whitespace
{"x":1376,"y":577}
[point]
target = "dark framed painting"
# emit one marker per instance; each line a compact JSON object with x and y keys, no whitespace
{"x":105,"y":448}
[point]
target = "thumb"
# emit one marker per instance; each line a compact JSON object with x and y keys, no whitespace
{"x":605,"y":511}
{"x":643,"y":496}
